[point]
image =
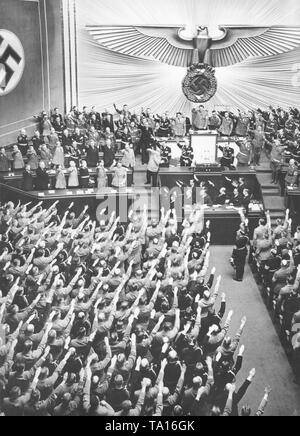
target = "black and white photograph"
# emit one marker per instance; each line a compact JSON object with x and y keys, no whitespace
{"x":150,"y":210}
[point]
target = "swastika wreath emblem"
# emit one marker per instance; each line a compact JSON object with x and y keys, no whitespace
{"x":12,"y":61}
{"x":200,"y":83}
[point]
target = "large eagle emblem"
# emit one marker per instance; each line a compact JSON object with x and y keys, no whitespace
{"x":199,"y":52}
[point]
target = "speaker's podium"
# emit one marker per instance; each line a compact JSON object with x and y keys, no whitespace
{"x":205,"y":147}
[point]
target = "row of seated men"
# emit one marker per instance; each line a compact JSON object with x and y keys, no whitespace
{"x":235,"y":192}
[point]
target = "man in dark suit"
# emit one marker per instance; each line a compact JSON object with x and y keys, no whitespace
{"x":146,"y":140}
{"x":56,"y":117}
{"x":240,"y":254}
{"x":108,"y":154}
{"x":42,"y":178}
{"x":236,"y":198}
{"x":228,"y":156}
{"x":4,"y":161}
{"x":246,"y":198}
{"x":166,"y":154}
{"x":92,"y":155}
{"x":37,"y":140}
{"x":27,"y":184}
{"x":223,"y":197}
{"x":107,"y":121}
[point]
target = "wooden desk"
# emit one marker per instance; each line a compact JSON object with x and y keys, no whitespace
{"x":225,"y":223}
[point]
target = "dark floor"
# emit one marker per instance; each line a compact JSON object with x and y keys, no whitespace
{"x":263,"y":347}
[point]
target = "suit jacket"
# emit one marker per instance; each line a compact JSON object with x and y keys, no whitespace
{"x":108,"y":156}
{"x":27,"y":181}
{"x":92,"y":157}
{"x":42,"y":180}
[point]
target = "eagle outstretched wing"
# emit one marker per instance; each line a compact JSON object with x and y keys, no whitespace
{"x":149,"y":42}
{"x":167,"y":44}
{"x":242,"y":42}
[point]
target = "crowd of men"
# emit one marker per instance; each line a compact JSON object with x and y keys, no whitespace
{"x":122,"y":135}
{"x":113,"y":320}
{"x":236,"y":192}
{"x":276,"y":255}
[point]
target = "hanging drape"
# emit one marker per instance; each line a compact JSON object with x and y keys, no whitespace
{"x":106,"y":77}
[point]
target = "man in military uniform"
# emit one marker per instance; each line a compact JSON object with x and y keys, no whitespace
{"x":200,"y":118}
{"x":188,"y":124}
{"x":165,"y":155}
{"x":228,"y":156}
{"x":66,"y":140}
{"x":95,"y":115}
{"x":23,"y":141}
{"x":239,"y":256}
{"x":58,"y":126}
{"x":236,"y":198}
{"x":276,"y":160}
{"x":94,"y":122}
{"x":226,"y":127}
{"x":243,"y":123}
{"x":187,"y":156}
{"x":258,"y":145}
{"x":124,"y":111}
{"x":271,"y":127}
{"x":120,"y":125}
{"x":93,"y":135}
{"x":135,"y":134}
{"x":79,"y":138}
{"x":223,"y":197}
{"x":242,"y":185}
{"x":108,"y":154}
{"x":294,"y":149}
{"x":297,"y":135}
{"x":214,"y":122}
{"x":282,"y":136}
{"x":4,"y":161}
{"x":282,"y":118}
{"x":107,"y":121}
{"x":290,"y":127}
{"x":55,"y":115}
{"x":109,"y":135}
{"x":291,"y":178}
{"x":164,"y":127}
{"x":37,"y":140}
{"x":246,"y":199}
{"x":146,"y":141}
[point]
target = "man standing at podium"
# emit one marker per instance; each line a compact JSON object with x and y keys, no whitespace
{"x":200,"y":118}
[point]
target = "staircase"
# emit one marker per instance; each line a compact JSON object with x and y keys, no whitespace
{"x":271,"y":196}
